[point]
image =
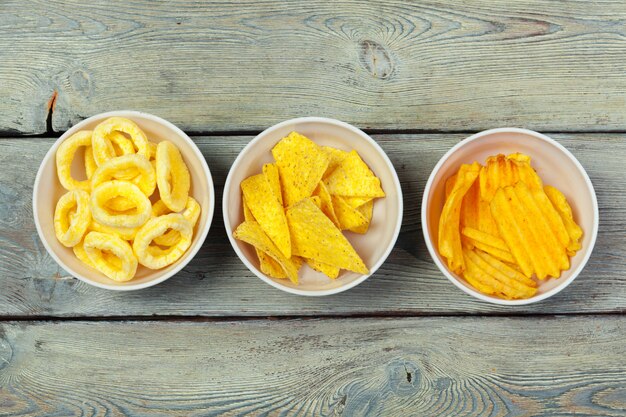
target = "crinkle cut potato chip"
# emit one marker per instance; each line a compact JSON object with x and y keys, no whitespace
{"x":314,"y":236}
{"x":353,"y":178}
{"x":449,"y":222}
{"x":252,"y":233}
{"x":301,"y":164}
{"x":512,"y":230}
{"x":267,"y":211}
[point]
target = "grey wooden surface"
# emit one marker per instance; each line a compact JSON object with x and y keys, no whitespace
{"x":349,"y":367}
{"x":214,"y":339}
{"x":216,"y":283}
{"x":384,"y":64}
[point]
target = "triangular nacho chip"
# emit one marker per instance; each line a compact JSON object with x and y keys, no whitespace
{"x":355,"y":202}
{"x":271,"y":173}
{"x":314,"y":236}
{"x":267,"y":211}
{"x":252,"y":233}
{"x":301,"y":164}
{"x":326,"y":203}
{"x":348,"y":217}
{"x":330,"y":271}
{"x":336,"y":157}
{"x":353,"y":178}
{"x":366,"y":210}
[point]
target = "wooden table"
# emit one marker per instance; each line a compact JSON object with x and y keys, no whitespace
{"x":215,"y":340}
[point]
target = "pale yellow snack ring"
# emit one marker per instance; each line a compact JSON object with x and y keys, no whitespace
{"x":191,"y":213}
{"x":173,"y":177}
{"x":145,"y":176}
{"x":99,"y":248}
{"x":111,"y":189}
{"x":154,"y":257}
{"x":103,"y":149}
{"x":72,"y":216}
{"x":64,"y":157}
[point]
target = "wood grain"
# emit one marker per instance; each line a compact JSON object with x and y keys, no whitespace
{"x":350,"y":367}
{"x":381,"y":64}
{"x":216,"y":283}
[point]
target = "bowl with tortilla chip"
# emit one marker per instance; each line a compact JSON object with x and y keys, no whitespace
{"x":312,"y":206}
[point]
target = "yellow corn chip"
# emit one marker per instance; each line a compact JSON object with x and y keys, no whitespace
{"x":366,"y":210}
{"x":326,"y":203}
{"x":335,"y":157}
{"x":355,"y":202}
{"x":271,"y":173}
{"x":267,"y":211}
{"x":330,"y":271}
{"x":301,"y":164}
{"x":349,"y":218}
{"x":252,"y":233}
{"x":353,"y":178}
{"x":314,"y":236}
{"x":267,"y":265}
{"x":318,"y":202}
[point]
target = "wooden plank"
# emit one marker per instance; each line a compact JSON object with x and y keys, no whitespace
{"x":223,"y":66}
{"x":216,"y":283}
{"x":352,"y":367}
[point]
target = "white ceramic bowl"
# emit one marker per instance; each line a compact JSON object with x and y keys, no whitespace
{"x":48,"y":190}
{"x":373,"y":247}
{"x":554,"y":164}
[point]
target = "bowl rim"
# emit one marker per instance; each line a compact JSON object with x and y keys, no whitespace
{"x":192,"y":251}
{"x":323,"y":120}
{"x":473,"y":292}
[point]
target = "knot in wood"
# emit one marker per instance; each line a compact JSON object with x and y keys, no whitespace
{"x":375,"y":59}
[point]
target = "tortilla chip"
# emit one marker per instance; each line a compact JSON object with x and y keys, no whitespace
{"x":330,"y":271}
{"x":348,"y":217}
{"x":355,"y":202}
{"x":271,"y":172}
{"x":318,"y":202}
{"x":301,"y":164}
{"x":326,"y":203}
{"x":353,"y":178}
{"x":336,"y":156}
{"x":267,"y":211}
{"x":366,"y":210}
{"x":252,"y":233}
{"x":314,"y":236}
{"x":267,"y":265}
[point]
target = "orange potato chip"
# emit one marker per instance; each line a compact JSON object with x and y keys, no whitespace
{"x":330,"y":271}
{"x":366,"y":210}
{"x":267,"y":264}
{"x":301,"y":164}
{"x":470,"y":207}
{"x":326,"y":203}
{"x":267,"y":211}
{"x":252,"y":233}
{"x":353,"y":178}
{"x":449,"y":222}
{"x":314,"y":236}
{"x":450,"y":185}
{"x":561,"y":205}
{"x":348,"y":217}
{"x":501,"y":171}
{"x":271,"y":173}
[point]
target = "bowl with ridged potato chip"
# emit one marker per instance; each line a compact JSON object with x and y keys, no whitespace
{"x":312,"y":206}
{"x":510,"y":216}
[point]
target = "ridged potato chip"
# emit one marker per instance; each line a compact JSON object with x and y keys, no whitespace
{"x":97,"y":245}
{"x":155,"y":257}
{"x":110,"y":130}
{"x":64,"y":157}
{"x":559,"y":202}
{"x":173,"y":177}
{"x":72,"y":217}
{"x":449,"y":222}
{"x":111,"y":189}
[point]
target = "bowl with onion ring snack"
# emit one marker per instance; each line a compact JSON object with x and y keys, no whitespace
{"x":123,"y":200}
